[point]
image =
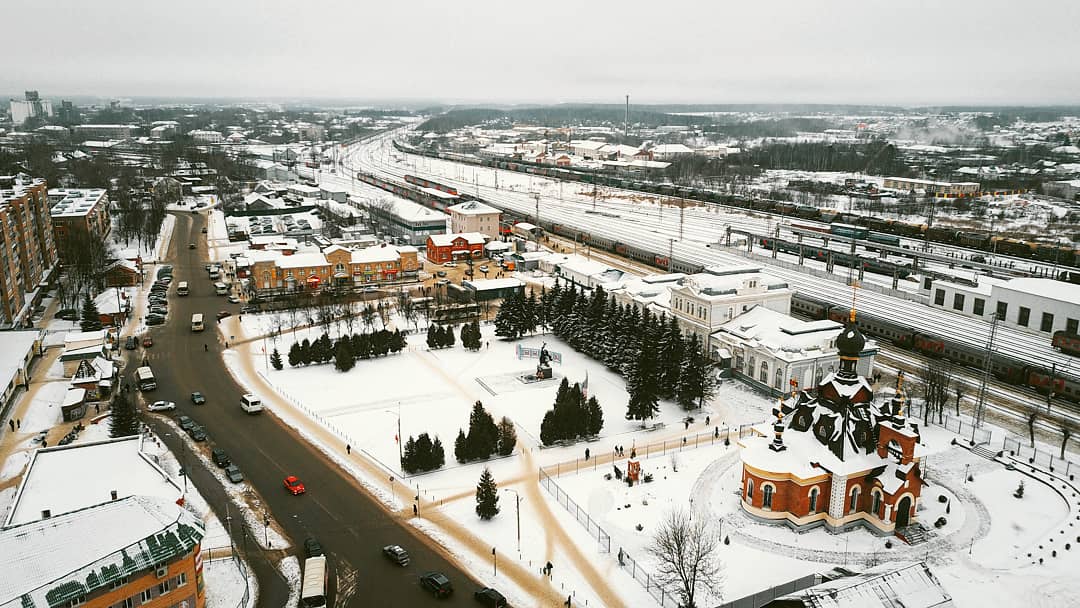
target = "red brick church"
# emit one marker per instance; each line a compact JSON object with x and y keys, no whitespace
{"x":837,"y":458}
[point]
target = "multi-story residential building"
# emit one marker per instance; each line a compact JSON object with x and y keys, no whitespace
{"x":27,"y":249}
{"x":703,"y":302}
{"x":933,"y":188}
{"x":30,"y":107}
{"x":474,"y":216}
{"x":78,"y":212}
{"x":83,"y":132}
{"x":281,"y":271}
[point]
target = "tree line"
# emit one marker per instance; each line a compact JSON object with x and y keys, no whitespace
{"x":485,"y":437}
{"x":574,"y":415}
{"x":344,"y":351}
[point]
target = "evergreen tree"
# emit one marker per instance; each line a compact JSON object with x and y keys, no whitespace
{"x":697,"y":381}
{"x":508,"y":319}
{"x":530,"y":313}
{"x":461,"y":447}
{"x":483,"y":436}
{"x":642,"y":386}
{"x":326,"y":348}
{"x":507,"y":437}
{"x":343,"y":356}
{"x":380,"y":343}
{"x":548,"y":432}
{"x":433,"y":336}
{"x":362,"y":345}
{"x":275,"y":359}
{"x":671,"y":356}
{"x":91,"y":318}
{"x":296,"y":357}
{"x":594,"y":418}
{"x":424,"y":460}
{"x":448,"y":336}
{"x":466,"y":337}
{"x":123,"y":417}
{"x":438,"y":456}
{"x":544,"y":309}
{"x":487,"y":496}
{"x":408,"y":457}
{"x":398,"y":343}
{"x":305,"y":352}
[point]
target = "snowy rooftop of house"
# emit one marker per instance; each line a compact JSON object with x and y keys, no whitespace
{"x":40,"y":557}
{"x":113,"y":299}
{"x":802,"y":450}
{"x":711,"y":285}
{"x":446,"y":240}
{"x":414,"y":212}
{"x":786,"y":336}
{"x":473,"y":208}
{"x":584,"y":267}
{"x":909,"y":584}
{"x":302,"y":260}
{"x":67,"y":478}
{"x":371,"y":255}
{"x":75,"y":203}
{"x":86,"y":337}
{"x":588,"y":144}
{"x":672,"y":149}
{"x":1046,"y":288}
{"x":491,"y":284}
{"x":13,"y":348}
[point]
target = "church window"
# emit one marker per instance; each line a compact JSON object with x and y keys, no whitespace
{"x":813,"y":500}
{"x":853,"y":505}
{"x":750,"y":490}
{"x":877,"y":503}
{"x":766,"y":496}
{"x":764,"y":375}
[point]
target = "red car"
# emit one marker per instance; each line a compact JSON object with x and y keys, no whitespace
{"x":147,"y":342}
{"x":294,"y":485}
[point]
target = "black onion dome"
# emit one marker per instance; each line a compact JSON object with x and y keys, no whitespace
{"x":851,"y":341}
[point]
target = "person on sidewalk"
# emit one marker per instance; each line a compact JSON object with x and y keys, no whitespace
{"x":586,"y":453}
{"x":348,"y":449}
{"x":12,"y":423}
{"x":549,"y":568}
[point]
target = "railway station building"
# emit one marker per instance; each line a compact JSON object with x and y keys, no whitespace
{"x":448,"y":247}
{"x":1043,"y":305}
{"x":704,"y":301}
{"x":835,"y":456}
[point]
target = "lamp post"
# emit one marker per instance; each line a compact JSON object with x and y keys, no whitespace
{"x":266,"y":523}
{"x":398,"y":414}
{"x":517,"y":513}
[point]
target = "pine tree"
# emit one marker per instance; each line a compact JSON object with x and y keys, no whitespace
{"x":326,"y":348}
{"x":275,"y":360}
{"x":642,"y":386}
{"x":123,"y":417}
{"x":398,"y":343}
{"x":466,"y":339}
{"x":296,"y":357}
{"x":91,"y":318}
{"x":548,"y":432}
{"x":438,"y":456}
{"x":461,"y":447}
{"x":483,"y":436}
{"x":697,"y":382}
{"x":487,"y":496}
{"x":507,"y":437}
{"x":433,"y":336}
{"x":343,"y":356}
{"x":508,"y":319}
{"x":671,"y":356}
{"x":408,"y":458}
{"x":305,"y":352}
{"x":424,"y":461}
{"x":530,"y":314}
{"x":594,"y":418}
{"x":449,"y":336}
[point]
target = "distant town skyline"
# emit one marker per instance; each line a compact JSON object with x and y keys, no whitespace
{"x":921,"y":53}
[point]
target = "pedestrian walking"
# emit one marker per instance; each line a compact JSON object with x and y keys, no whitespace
{"x":686,"y":424}
{"x":348,"y":449}
{"x":12,"y":423}
{"x":706,"y":421}
{"x":549,"y":568}
{"x":97,"y":408}
{"x":18,"y":423}
{"x":621,"y":554}
{"x":206,"y":347}
{"x":586,"y":453}
{"x":568,"y":598}
{"x":716,"y":433}
{"x":44,"y":443}
{"x":414,"y":512}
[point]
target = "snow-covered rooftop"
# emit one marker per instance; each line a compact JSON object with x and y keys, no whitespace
{"x":446,"y":240}
{"x":1045,"y":288}
{"x":13,"y":348}
{"x":67,"y":478}
{"x":491,"y":284}
{"x":75,"y":203}
{"x":910,"y":584}
{"x":473,"y":208}
{"x":781,"y":333}
{"x":302,"y":260}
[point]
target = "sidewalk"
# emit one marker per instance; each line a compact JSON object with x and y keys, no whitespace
{"x":18,"y":442}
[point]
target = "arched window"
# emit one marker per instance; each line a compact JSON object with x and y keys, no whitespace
{"x":750,"y":362}
{"x":766,"y":496}
{"x":853,"y":504}
{"x":266,"y":280}
{"x":777,"y":379}
{"x":877,"y":502}
{"x":813,"y":500}
{"x":339,"y":267}
{"x":764,"y":375}
{"x":750,"y":490}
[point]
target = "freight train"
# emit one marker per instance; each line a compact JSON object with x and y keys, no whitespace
{"x":938,"y":346}
{"x":426,"y":183}
{"x":417,"y":196}
{"x":839,"y":258}
{"x":1065,"y":255}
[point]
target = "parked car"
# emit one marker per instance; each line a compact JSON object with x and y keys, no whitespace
{"x":490,"y":598}
{"x":442,"y":282}
{"x":234,"y":299}
{"x":294,"y":485}
{"x":185,"y":422}
{"x":167,"y":279}
{"x":67,"y":314}
{"x":161,"y":406}
{"x":450,"y":265}
{"x":220,"y":458}
{"x":197,"y":398}
{"x":153,"y":319}
{"x":147,"y":341}
{"x":232,"y":472}
{"x":441,"y":273}
{"x":197,"y":433}
{"x":437,"y":583}
{"x":222,"y":314}
{"x":248,"y":308}
{"x":312,"y":547}
{"x":130,"y":343}
{"x":396,"y":554}
{"x":484,"y":268}
{"x":191,"y":245}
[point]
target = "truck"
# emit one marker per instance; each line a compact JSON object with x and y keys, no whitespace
{"x":144,"y":379}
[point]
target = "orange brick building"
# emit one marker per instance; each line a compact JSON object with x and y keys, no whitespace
{"x":27,"y":248}
{"x":836,"y":458}
{"x":333,"y":266}
{"x":446,"y":247}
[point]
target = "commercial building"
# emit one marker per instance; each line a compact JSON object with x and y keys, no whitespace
{"x":206,"y":137}
{"x":933,"y":188}
{"x":1043,"y":305}
{"x":703,"y":302}
{"x":484,"y":290}
{"x":32,"y":106}
{"x":27,"y":249}
{"x":404,"y":220}
{"x":474,"y":216}
{"x":17,"y":350}
{"x":73,"y":212}
{"x":83,"y":132}
{"x":282,"y":271}
{"x":446,"y":247}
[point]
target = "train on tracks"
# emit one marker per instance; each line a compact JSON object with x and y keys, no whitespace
{"x":1065,"y":255}
{"x":409,"y":191}
{"x":839,"y":258}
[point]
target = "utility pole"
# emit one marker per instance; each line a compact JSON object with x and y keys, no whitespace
{"x":517,"y":512}
{"x":1050,"y":387}
{"x":626,"y":121}
{"x":980,"y":402}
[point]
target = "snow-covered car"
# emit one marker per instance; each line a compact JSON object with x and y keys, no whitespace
{"x":161,"y":406}
{"x":396,"y":554}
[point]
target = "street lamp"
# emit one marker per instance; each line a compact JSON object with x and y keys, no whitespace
{"x":398,"y":414}
{"x":517,"y":512}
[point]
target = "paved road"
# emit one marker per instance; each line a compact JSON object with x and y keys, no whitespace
{"x":350,"y":524}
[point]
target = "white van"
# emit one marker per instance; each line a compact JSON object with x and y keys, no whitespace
{"x":221,"y":289}
{"x":182,"y":288}
{"x":251,"y":403}
{"x":197,"y":322}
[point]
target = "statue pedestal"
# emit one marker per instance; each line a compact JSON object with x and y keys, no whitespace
{"x":543,"y":372}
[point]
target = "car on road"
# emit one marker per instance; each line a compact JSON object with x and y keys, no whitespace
{"x":161,"y":406}
{"x":203,"y":230}
{"x":396,"y":554}
{"x":234,"y":299}
{"x":312,"y":547}
{"x":222,"y":314}
{"x":294,"y":485}
{"x":185,"y":422}
{"x":490,"y":598}
{"x":153,"y":319}
{"x":484,"y":268}
{"x":167,"y":279}
{"x":442,"y":282}
{"x":232,"y":472}
{"x":197,"y":398}
{"x":220,"y":458}
{"x":67,"y":314}
{"x":441,"y":273}
{"x":450,"y":265}
{"x":191,"y":245}
{"x":147,"y":341}
{"x":197,"y":433}
{"x":248,"y":308}
{"x":130,"y":343}
{"x":437,"y":583}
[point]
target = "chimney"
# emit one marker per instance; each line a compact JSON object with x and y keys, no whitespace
{"x":46,"y":514}
{"x":113,"y":494}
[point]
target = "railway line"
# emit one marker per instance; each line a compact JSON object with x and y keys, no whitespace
{"x":699,"y":248}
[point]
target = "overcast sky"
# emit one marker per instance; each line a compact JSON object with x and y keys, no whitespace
{"x":829,"y":51}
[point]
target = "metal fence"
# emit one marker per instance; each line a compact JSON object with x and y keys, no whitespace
{"x":764,"y":597}
{"x":641,"y":575}
{"x":1054,"y":462}
{"x":959,"y":426}
{"x":579,"y":514}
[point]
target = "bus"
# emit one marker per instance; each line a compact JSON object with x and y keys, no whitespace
{"x":221,"y":289}
{"x":182,"y":288}
{"x":313,"y":590}
{"x":197,"y":322}
{"x":144,"y":379}
{"x":251,"y":403}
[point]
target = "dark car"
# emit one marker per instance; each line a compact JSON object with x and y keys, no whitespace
{"x":396,"y":554}
{"x":185,"y":422}
{"x":130,"y":343}
{"x":197,"y":398}
{"x":312,"y":547}
{"x":490,"y":598}
{"x":67,"y":314}
{"x":441,"y":273}
{"x":233,"y":473}
{"x":152,"y":319}
{"x":197,"y":433}
{"x":191,"y":245}
{"x":222,"y":314}
{"x":147,"y":341}
{"x":437,"y":583}
{"x":219,"y":457}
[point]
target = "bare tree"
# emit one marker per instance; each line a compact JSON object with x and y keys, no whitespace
{"x":959,"y":396}
{"x":686,"y":552}
{"x":937,"y":384}
{"x":1032,"y":418}
{"x":1066,"y":435}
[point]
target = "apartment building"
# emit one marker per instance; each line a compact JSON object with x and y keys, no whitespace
{"x":78,"y":212}
{"x":27,"y":248}
{"x":474,"y":216}
{"x":83,"y":132}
